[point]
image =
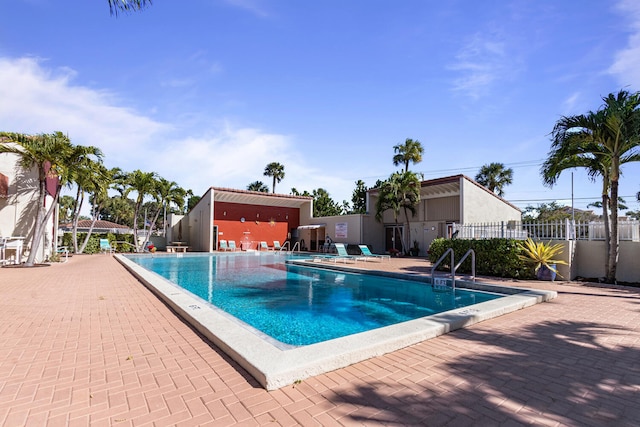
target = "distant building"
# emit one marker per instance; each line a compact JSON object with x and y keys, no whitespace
{"x":249,"y":217}
{"x":99,"y":227}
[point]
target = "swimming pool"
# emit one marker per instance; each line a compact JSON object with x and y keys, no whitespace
{"x":274,"y":365}
{"x":299,"y":305}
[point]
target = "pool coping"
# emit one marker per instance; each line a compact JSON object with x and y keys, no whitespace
{"x":274,"y":368}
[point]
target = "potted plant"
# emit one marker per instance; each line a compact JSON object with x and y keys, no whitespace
{"x":543,"y":258}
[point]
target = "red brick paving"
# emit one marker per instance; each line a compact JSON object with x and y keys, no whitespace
{"x":83,"y":343}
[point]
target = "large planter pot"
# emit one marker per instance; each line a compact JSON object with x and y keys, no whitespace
{"x":545,"y":273}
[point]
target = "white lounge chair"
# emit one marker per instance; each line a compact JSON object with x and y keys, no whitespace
{"x":232,"y":245}
{"x":342,"y":256}
{"x":105,"y":246}
{"x":224,"y":246}
{"x":265,"y":247}
{"x":367,"y":253}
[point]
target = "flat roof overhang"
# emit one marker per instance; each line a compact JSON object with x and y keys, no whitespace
{"x":257,"y":198}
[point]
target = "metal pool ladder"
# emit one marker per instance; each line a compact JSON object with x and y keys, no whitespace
{"x":455,"y":267}
{"x":287,"y":245}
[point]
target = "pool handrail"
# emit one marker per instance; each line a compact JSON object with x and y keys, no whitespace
{"x":473,"y":264}
{"x":454,"y":267}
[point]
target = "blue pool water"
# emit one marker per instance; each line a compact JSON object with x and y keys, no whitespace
{"x":303,"y":305}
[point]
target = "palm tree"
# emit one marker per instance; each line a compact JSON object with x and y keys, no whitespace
{"x":144,"y":184}
{"x":410,"y":151}
{"x":97,"y":186}
{"x":579,"y":150}
{"x":495,"y":177}
{"x":601,"y":142}
{"x":168,"y":193}
{"x":53,"y":156}
{"x":258,"y":186}
{"x":88,"y":176}
{"x":127,"y":5}
{"x":400,"y":191}
{"x":275,"y":170}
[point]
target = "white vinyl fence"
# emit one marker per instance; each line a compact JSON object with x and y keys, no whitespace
{"x":558,"y":230}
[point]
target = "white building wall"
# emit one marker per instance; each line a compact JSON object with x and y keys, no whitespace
{"x":478,"y":205}
{"x":18,"y":210}
{"x":199,"y":224}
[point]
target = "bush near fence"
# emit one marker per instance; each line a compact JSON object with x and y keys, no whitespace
{"x":93,"y":246}
{"x":494,"y":257}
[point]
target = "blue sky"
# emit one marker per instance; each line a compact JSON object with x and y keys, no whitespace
{"x":207,"y":95}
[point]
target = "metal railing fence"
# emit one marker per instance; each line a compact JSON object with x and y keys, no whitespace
{"x":553,"y":230}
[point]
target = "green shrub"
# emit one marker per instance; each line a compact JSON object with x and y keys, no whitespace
{"x":494,"y":257}
{"x":93,"y":245}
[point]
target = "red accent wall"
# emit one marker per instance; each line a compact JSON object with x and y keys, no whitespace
{"x":266,"y":223}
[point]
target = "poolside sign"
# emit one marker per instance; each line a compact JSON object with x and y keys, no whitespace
{"x":440,"y":283}
{"x":341,"y":230}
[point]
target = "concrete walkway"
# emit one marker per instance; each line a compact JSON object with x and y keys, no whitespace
{"x":83,"y":343}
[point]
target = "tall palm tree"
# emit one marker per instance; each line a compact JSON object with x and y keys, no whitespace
{"x":127,"y":5}
{"x":143,"y":184}
{"x":53,"y":156}
{"x":167,"y":193}
{"x":258,"y":186}
{"x":87,"y":176}
{"x":602,"y":141}
{"x":495,"y":177}
{"x":579,"y":150}
{"x":97,"y":184}
{"x":409,"y":152}
{"x":400,"y":191}
{"x":276,"y":171}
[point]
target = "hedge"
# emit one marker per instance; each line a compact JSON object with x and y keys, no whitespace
{"x":494,"y":257}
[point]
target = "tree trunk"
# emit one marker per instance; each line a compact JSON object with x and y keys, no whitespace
{"x":613,"y":250}
{"x":76,"y":218}
{"x":607,"y":232}
{"x":39,"y":223}
{"x":155,"y":218}
{"x":408,"y":242}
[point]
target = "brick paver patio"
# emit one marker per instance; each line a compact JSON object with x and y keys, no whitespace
{"x":83,"y":343}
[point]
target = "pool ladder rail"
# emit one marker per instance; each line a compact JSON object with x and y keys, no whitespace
{"x":454,"y":267}
{"x":287,"y":245}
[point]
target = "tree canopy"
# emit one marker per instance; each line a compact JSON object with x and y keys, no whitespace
{"x":276,"y":171}
{"x":495,"y":177}
{"x":600,"y":141}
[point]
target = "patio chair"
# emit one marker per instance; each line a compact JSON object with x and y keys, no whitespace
{"x":105,"y":246}
{"x":367,"y":253}
{"x":3,"y":247}
{"x":265,"y":247}
{"x":276,"y":245}
{"x":232,"y":245}
{"x":224,"y":246}
{"x":342,"y":256}
{"x":63,"y":250}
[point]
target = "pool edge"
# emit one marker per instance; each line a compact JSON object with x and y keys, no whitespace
{"x":274,"y":368}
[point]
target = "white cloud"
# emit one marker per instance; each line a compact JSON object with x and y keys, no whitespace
{"x":36,"y":99}
{"x":480,"y":62}
{"x":626,"y":65}
{"x":253,"y":6}
{"x":570,"y":103}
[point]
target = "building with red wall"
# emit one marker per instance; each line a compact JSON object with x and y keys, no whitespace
{"x":245,"y":217}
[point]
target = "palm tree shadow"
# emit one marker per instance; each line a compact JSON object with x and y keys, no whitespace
{"x":553,"y":371}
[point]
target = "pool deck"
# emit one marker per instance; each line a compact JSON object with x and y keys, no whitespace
{"x":84,"y":343}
